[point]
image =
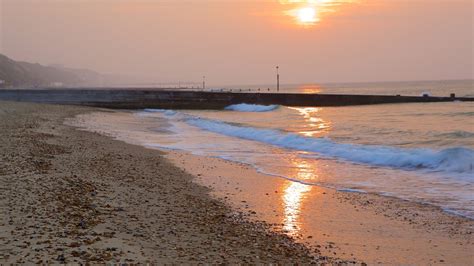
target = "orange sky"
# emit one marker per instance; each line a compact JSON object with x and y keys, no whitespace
{"x":240,"y":42}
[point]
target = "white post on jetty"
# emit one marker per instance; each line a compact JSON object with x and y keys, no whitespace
{"x":278,"y":78}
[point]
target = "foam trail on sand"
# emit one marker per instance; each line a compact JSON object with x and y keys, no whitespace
{"x":452,"y":160}
{"x":243,"y":107}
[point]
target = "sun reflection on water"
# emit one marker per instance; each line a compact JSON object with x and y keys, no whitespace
{"x":310,"y":88}
{"x":294,"y":194}
{"x":314,"y":124}
{"x":305,"y":172}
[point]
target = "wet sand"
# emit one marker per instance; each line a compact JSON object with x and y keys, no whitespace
{"x":73,"y":196}
{"x":351,"y":226}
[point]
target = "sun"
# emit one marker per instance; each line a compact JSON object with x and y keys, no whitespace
{"x":307,"y":15}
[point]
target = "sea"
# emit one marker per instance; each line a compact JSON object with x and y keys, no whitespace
{"x":420,"y":152}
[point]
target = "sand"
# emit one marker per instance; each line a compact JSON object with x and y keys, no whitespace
{"x":73,"y":196}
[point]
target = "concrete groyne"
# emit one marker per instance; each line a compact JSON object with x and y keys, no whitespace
{"x":136,"y":98}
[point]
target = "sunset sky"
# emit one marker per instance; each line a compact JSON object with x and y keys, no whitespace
{"x":241,"y":41}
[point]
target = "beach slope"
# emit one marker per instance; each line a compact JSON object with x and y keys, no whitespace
{"x":74,"y":196}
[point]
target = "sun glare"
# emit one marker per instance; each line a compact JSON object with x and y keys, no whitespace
{"x":307,"y":15}
{"x":311,"y":12}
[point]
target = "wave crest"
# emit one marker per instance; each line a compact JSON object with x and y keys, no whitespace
{"x":244,"y":107}
{"x":453,"y":160}
{"x":166,"y":112}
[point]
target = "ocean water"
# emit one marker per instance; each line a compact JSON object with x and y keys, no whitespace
{"x":422,"y":152}
{"x":462,"y":88}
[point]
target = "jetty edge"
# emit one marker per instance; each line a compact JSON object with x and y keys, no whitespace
{"x":137,"y":98}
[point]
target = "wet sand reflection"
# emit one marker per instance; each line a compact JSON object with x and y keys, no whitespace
{"x":294,"y":195}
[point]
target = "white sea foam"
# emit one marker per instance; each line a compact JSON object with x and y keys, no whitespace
{"x":164,"y":111}
{"x":243,"y":107}
{"x":154,"y":110}
{"x":452,"y":160}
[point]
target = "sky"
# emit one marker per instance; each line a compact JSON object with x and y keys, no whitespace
{"x":242,"y":41}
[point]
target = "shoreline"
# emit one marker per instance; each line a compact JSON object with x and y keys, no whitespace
{"x":422,"y":204}
{"x":71,"y":196}
{"x":380,"y":229}
{"x":358,"y":226}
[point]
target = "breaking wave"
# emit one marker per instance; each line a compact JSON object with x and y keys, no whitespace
{"x":163,"y":111}
{"x":451,"y":160}
{"x":243,"y":107}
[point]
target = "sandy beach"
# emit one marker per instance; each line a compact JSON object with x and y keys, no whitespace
{"x":71,"y":196}
{"x":352,"y":226}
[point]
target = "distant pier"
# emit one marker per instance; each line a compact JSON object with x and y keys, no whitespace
{"x":139,"y":98}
